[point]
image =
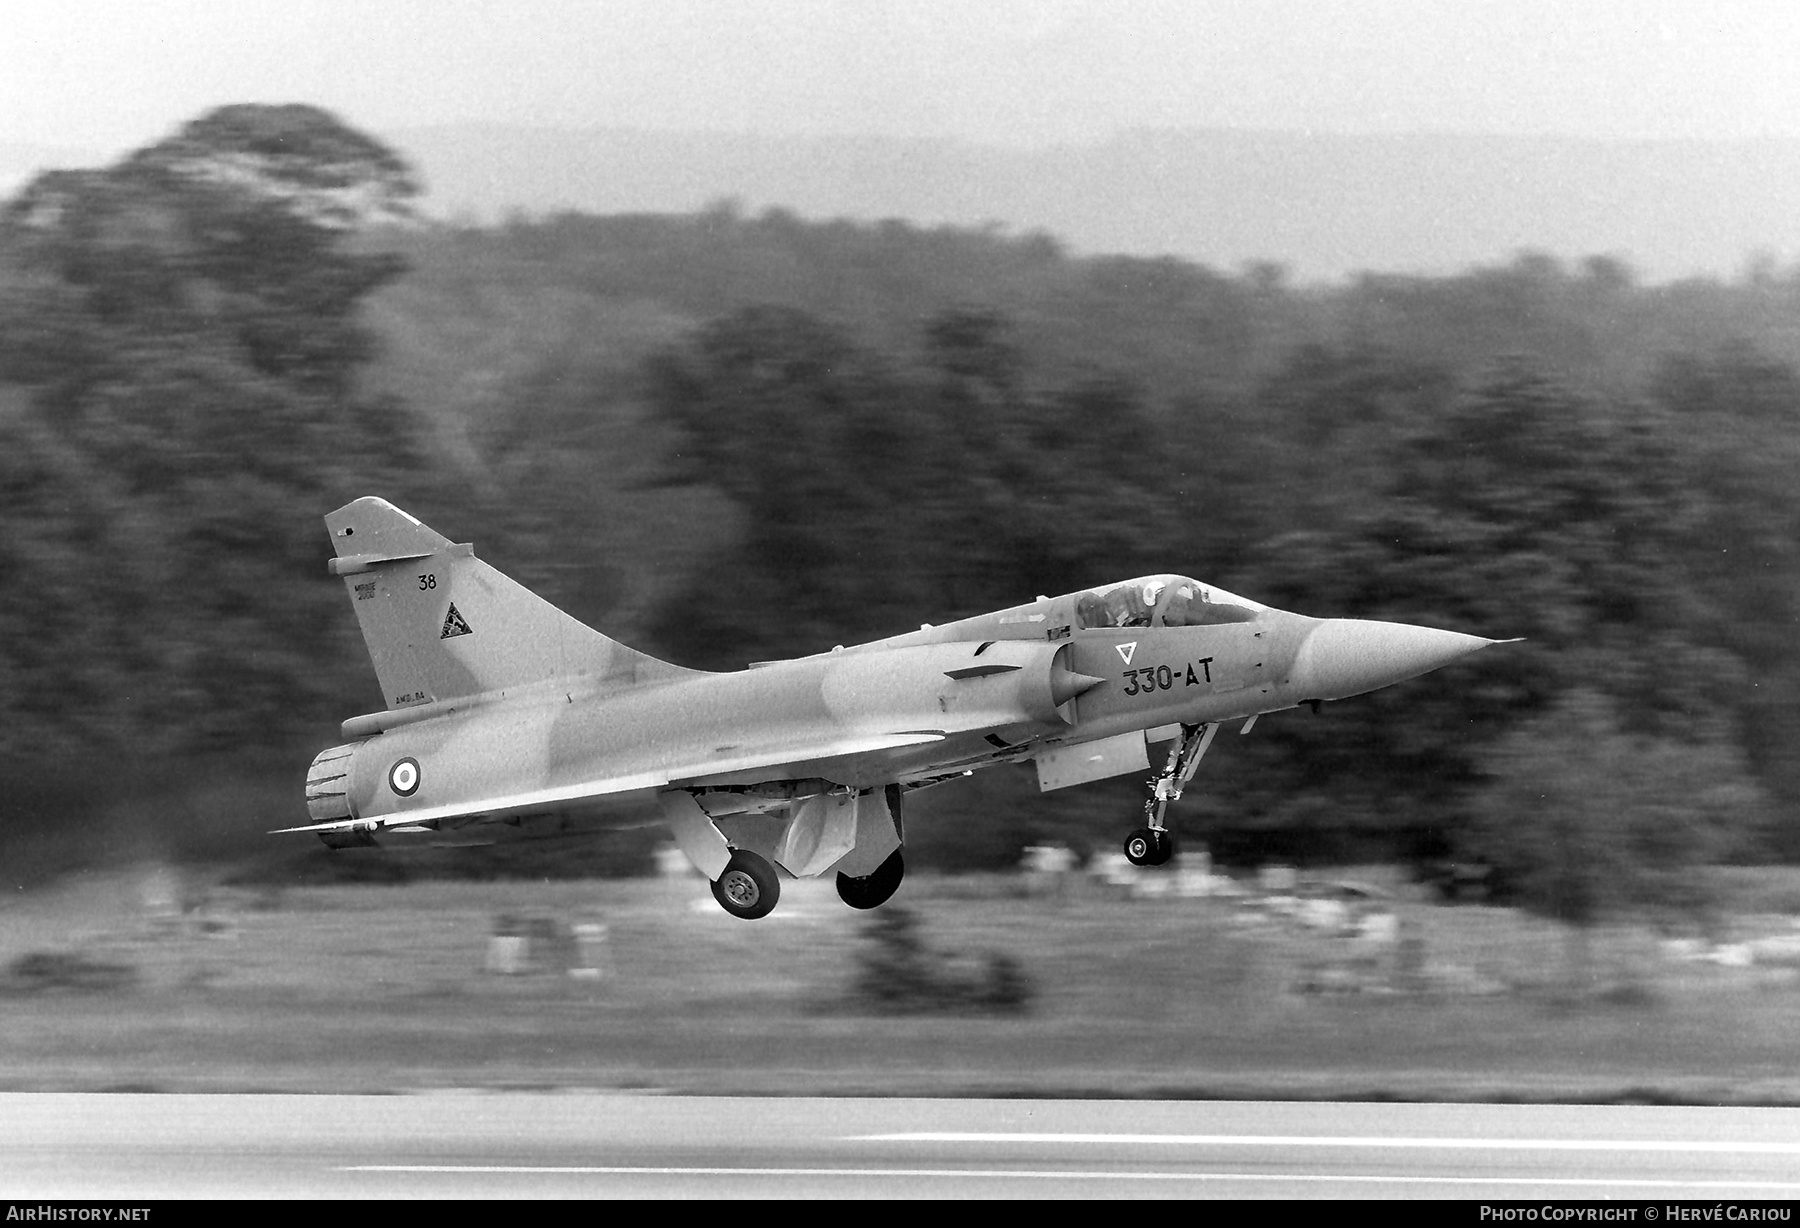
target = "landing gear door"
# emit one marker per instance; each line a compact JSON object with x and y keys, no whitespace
{"x":879,"y":832}
{"x":1062,"y":766}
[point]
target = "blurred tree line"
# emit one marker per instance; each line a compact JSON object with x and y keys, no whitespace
{"x":180,"y":356}
{"x":727,"y":438}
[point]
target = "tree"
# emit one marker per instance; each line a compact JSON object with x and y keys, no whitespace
{"x":1735,"y":411}
{"x":1515,"y":507}
{"x":243,"y":222}
{"x":181,"y":338}
{"x":298,"y":159}
{"x":1585,"y":821}
{"x":874,"y":489}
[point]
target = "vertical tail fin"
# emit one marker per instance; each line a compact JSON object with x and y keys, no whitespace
{"x":441,"y":624}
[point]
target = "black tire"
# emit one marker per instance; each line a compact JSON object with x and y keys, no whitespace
{"x":1140,"y":847}
{"x":749,"y":887}
{"x":875,"y":889}
{"x":1164,"y":850}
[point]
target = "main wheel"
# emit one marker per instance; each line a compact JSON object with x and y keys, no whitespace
{"x":876,"y":888}
{"x":1165,"y":847}
{"x":749,"y":888}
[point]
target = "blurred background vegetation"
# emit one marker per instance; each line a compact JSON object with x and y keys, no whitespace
{"x":725,"y":438}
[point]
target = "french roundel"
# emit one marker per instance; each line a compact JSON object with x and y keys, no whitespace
{"x":403,"y":777}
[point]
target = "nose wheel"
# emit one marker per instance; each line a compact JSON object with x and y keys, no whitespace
{"x":1149,"y":846}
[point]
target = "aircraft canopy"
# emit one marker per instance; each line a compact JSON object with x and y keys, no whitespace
{"x":1163,"y":601}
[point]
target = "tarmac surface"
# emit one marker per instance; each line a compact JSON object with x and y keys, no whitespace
{"x":121,"y":1147}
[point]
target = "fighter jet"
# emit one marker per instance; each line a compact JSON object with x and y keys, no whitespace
{"x":502,"y":709}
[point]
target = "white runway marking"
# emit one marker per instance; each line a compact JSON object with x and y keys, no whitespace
{"x":1053,"y":1175}
{"x":1301,"y":1140}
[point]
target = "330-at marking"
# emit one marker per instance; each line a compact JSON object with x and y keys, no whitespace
{"x":1162,"y":678}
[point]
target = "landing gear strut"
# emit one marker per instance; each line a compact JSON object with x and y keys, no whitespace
{"x":1152,"y":844}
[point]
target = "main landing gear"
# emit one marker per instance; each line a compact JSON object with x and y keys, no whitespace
{"x":876,"y":888}
{"x":1153,"y":844}
{"x":748,"y":888}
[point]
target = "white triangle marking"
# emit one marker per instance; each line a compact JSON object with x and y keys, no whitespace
{"x":1125,"y":650}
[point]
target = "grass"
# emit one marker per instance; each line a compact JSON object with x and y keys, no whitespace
{"x":384,"y":989}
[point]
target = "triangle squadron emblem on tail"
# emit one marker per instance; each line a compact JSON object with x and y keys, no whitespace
{"x":454,"y":624}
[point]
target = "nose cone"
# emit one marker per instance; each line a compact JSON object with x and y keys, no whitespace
{"x":1348,"y":656}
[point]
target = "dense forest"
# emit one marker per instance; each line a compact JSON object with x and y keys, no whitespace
{"x":726,"y":438}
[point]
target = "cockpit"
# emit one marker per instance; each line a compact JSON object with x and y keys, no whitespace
{"x":1163,"y":601}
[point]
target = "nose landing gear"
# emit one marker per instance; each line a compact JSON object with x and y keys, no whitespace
{"x":1152,"y":844}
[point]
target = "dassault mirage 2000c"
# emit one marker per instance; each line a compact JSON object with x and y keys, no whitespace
{"x":503,"y":709}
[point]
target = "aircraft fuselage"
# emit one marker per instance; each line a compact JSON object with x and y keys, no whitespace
{"x":502,"y":708}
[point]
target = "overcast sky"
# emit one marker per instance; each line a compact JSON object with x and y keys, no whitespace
{"x":110,"y":75}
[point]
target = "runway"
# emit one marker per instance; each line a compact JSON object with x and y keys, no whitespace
{"x":574,"y":1145}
